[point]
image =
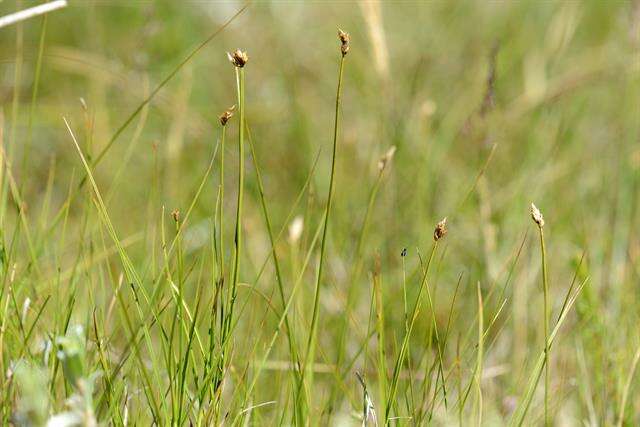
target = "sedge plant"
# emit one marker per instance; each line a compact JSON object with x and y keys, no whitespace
{"x":311,"y":342}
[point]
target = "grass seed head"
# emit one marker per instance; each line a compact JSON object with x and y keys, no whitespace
{"x":238,"y":58}
{"x":224,"y":117}
{"x":536,"y":215}
{"x":344,"y":40}
{"x":441,"y":229}
{"x":386,"y":158}
{"x":176,"y":215}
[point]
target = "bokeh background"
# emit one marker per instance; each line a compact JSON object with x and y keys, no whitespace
{"x":490,"y":105}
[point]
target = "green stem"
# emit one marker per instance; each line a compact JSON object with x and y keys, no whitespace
{"x":404,"y":296}
{"x":238,"y":233}
{"x":434,"y":327}
{"x":405,"y":341}
{"x":276,"y":263}
{"x":235,"y":272}
{"x":218,"y":282}
{"x":545,"y":290}
{"x":353,"y":277}
{"x":220,"y":223}
{"x":316,"y":300}
{"x":479,"y":361}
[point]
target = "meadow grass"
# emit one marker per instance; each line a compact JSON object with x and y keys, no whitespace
{"x":153,"y":274}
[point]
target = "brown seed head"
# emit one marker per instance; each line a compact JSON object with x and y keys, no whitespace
{"x":536,"y":215}
{"x":176,"y":215}
{"x":224,"y":117}
{"x":441,"y":229}
{"x":344,"y":40}
{"x":238,"y":58}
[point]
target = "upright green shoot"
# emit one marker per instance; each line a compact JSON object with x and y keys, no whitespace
{"x":537,"y":217}
{"x":439,"y":232}
{"x":263,"y":203}
{"x":239,"y":60}
{"x":309,"y":356}
{"x":480,"y":355}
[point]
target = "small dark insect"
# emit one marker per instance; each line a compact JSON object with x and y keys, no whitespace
{"x":403,"y":253}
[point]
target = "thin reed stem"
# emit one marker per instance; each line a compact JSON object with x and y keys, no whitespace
{"x":235,"y":272}
{"x":393,"y":387}
{"x":221,"y":213}
{"x":404,"y":293}
{"x":311,"y":343}
{"x":480,"y":354}
{"x":291,"y":338}
{"x":538,"y":219}
{"x":546,"y":308}
{"x":354,"y":274}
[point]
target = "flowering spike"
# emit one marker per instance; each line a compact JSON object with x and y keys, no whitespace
{"x":536,"y":215}
{"x":344,"y":40}
{"x":224,"y":117}
{"x":238,"y":58}
{"x":441,"y":229}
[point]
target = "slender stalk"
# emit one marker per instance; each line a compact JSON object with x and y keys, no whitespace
{"x":627,"y":387}
{"x":309,"y":356}
{"x":357,"y":262}
{"x":353,"y":277}
{"x":218,"y":277}
{"x":296,"y":286}
{"x":404,"y":292}
{"x":393,"y":387}
{"x":382,"y":365}
{"x":525,"y":402}
{"x":480,"y":354}
{"x":235,"y":272}
{"x":444,"y":345}
{"x":291,"y":338}
{"x":459,"y":372}
{"x":221,"y":186}
{"x":434,"y":327}
{"x":545,"y":290}
{"x":538,"y":219}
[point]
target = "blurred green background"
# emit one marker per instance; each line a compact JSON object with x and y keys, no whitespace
{"x":491,"y":106}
